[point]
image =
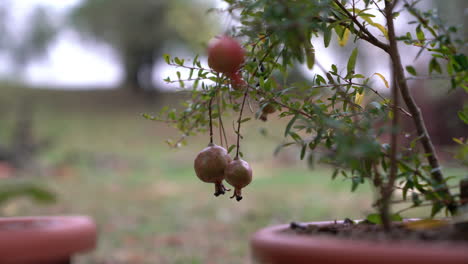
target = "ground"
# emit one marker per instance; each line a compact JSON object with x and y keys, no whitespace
{"x":108,"y":162}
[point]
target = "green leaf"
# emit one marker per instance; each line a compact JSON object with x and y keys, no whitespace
{"x":420,"y":34}
{"x":355,"y":183}
{"x":303,"y":151}
{"x":290,"y":124}
{"x":463,"y":115}
{"x":377,"y":25}
{"x":148,"y":116}
{"x":231,"y":148}
{"x":343,"y":40}
{"x":352,"y":61}
{"x":374,"y":218}
{"x":436,"y":207}
{"x":327,"y":37}
{"x":37,"y":193}
{"x":335,"y":173}
{"x":434,"y":66}
{"x":383,"y":79}
{"x":310,"y":55}
{"x":245,"y":120}
{"x":281,"y":146}
{"x":167,"y":58}
{"x":411,"y":70}
{"x":396,"y":218}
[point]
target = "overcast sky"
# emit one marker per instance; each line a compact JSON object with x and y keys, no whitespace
{"x":71,"y":62}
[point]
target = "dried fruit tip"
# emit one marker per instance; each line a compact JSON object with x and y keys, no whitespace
{"x":220,"y":189}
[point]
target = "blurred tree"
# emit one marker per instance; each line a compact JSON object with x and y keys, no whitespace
{"x":3,"y":29}
{"x":36,"y":38}
{"x":139,"y":29}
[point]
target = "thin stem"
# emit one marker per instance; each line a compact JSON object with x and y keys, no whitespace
{"x":413,"y":108}
{"x":211,"y":120}
{"x":239,"y":123}
{"x":223,"y":131}
{"x":387,"y":189}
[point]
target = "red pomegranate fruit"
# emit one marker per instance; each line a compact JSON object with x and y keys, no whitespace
{"x":238,"y":174}
{"x":237,"y":82}
{"x":225,"y":55}
{"x":210,"y":165}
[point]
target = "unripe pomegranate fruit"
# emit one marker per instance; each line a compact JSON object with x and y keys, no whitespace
{"x":266,"y":110}
{"x":225,"y":55}
{"x":237,"y":82}
{"x":238,"y":173}
{"x":210,"y":165}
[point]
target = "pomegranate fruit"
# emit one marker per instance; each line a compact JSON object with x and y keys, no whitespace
{"x":237,"y":82}
{"x":266,"y":110}
{"x":210,"y":165}
{"x":225,"y":55}
{"x":238,"y":173}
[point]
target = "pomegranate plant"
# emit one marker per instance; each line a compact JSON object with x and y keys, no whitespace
{"x":332,"y":115}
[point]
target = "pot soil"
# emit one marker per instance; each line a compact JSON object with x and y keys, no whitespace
{"x":45,"y":240}
{"x":341,"y":242}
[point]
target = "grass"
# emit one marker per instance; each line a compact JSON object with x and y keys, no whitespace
{"x":111,"y":164}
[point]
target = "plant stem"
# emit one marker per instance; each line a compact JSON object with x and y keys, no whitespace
{"x":239,"y":122}
{"x":413,"y":108}
{"x":211,"y":120}
{"x":387,"y":189}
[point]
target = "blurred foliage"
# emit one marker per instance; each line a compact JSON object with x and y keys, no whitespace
{"x":13,"y":190}
{"x":30,"y":43}
{"x":140,"y":30}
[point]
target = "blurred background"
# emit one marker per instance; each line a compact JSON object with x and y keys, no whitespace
{"x":75,"y":76}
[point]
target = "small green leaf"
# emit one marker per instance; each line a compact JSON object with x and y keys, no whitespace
{"x":303,"y":151}
{"x":231,"y":148}
{"x":374,"y":218}
{"x":434,"y":66}
{"x":436,"y":207}
{"x":245,"y":120}
{"x":352,"y":61}
{"x":290,"y":124}
{"x":463,"y":115}
{"x":167,"y":58}
{"x":177,"y":61}
{"x":420,"y":34}
{"x":281,"y":146}
{"x":344,"y":39}
{"x":396,"y":218}
{"x":327,"y":37}
{"x":310,"y":55}
{"x":383,"y":79}
{"x":411,"y":70}
{"x":148,"y":116}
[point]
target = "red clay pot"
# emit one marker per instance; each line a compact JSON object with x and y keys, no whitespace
{"x":272,"y":246}
{"x":45,"y":240}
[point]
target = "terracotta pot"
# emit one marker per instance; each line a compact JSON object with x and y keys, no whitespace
{"x":272,"y":246}
{"x":45,"y":240}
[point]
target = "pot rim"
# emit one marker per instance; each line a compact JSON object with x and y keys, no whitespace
{"x":37,"y":238}
{"x":271,"y":243}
